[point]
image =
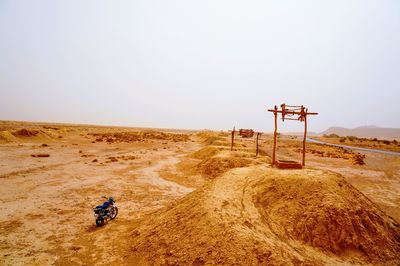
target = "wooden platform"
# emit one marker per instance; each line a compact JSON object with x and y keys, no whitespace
{"x":281,"y":164}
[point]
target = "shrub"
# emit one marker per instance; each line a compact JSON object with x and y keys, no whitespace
{"x":352,"y":138}
{"x":333,"y":136}
{"x":42,"y":155}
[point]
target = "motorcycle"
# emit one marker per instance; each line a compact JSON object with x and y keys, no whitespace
{"x":106,"y":211}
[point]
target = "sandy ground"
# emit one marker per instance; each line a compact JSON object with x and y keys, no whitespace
{"x":46,"y":202}
{"x":378,"y":178}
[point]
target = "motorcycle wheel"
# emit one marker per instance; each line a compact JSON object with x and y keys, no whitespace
{"x":114,"y":212}
{"x":99,"y":221}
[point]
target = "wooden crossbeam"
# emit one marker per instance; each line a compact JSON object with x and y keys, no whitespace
{"x":291,"y":112}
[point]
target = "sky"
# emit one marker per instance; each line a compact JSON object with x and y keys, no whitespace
{"x":200,"y":64}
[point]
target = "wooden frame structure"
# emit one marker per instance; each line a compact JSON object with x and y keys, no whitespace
{"x":258,"y":135}
{"x":291,"y":112}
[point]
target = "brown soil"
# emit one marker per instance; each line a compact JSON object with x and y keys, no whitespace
{"x":185,"y":198}
{"x":324,"y":211}
{"x":205,"y":153}
{"x":7,"y":137}
{"x":216,"y":166}
{"x":282,"y":217}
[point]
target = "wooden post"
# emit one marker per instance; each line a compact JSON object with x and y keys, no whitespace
{"x":275,"y":133}
{"x":305,"y":136}
{"x":258,"y":133}
{"x":233,"y":137}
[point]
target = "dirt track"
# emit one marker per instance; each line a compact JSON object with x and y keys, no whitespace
{"x":46,"y":202}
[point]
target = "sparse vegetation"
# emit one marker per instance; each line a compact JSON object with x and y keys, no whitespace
{"x":372,"y":143}
{"x":333,"y":136}
{"x":25,"y":133}
{"x":387,"y":142}
{"x":138,"y":136}
{"x":41,"y":155}
{"x":334,"y":152}
{"x":352,"y":138}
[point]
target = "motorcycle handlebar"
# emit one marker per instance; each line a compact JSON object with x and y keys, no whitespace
{"x":108,"y":198}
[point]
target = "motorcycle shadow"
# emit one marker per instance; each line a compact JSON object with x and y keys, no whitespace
{"x":93,"y":228}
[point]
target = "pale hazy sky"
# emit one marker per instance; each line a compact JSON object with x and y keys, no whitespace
{"x":200,"y":64}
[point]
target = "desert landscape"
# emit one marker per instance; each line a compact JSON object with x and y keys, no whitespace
{"x":199,"y":133}
{"x":185,"y":198}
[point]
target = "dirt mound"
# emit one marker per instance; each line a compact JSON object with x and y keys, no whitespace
{"x":212,"y":138}
{"x":326,"y":212}
{"x":257,"y":215}
{"x":216,"y":140}
{"x":218,"y":165}
{"x":7,"y":137}
{"x":217,"y":160}
{"x":190,"y":233}
{"x":205,"y":134}
{"x":25,"y":133}
{"x":205,"y":153}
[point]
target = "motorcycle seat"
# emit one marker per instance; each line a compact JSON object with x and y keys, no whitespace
{"x":104,"y":206}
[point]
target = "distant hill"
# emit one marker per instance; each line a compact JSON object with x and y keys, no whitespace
{"x":365,"y":132}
